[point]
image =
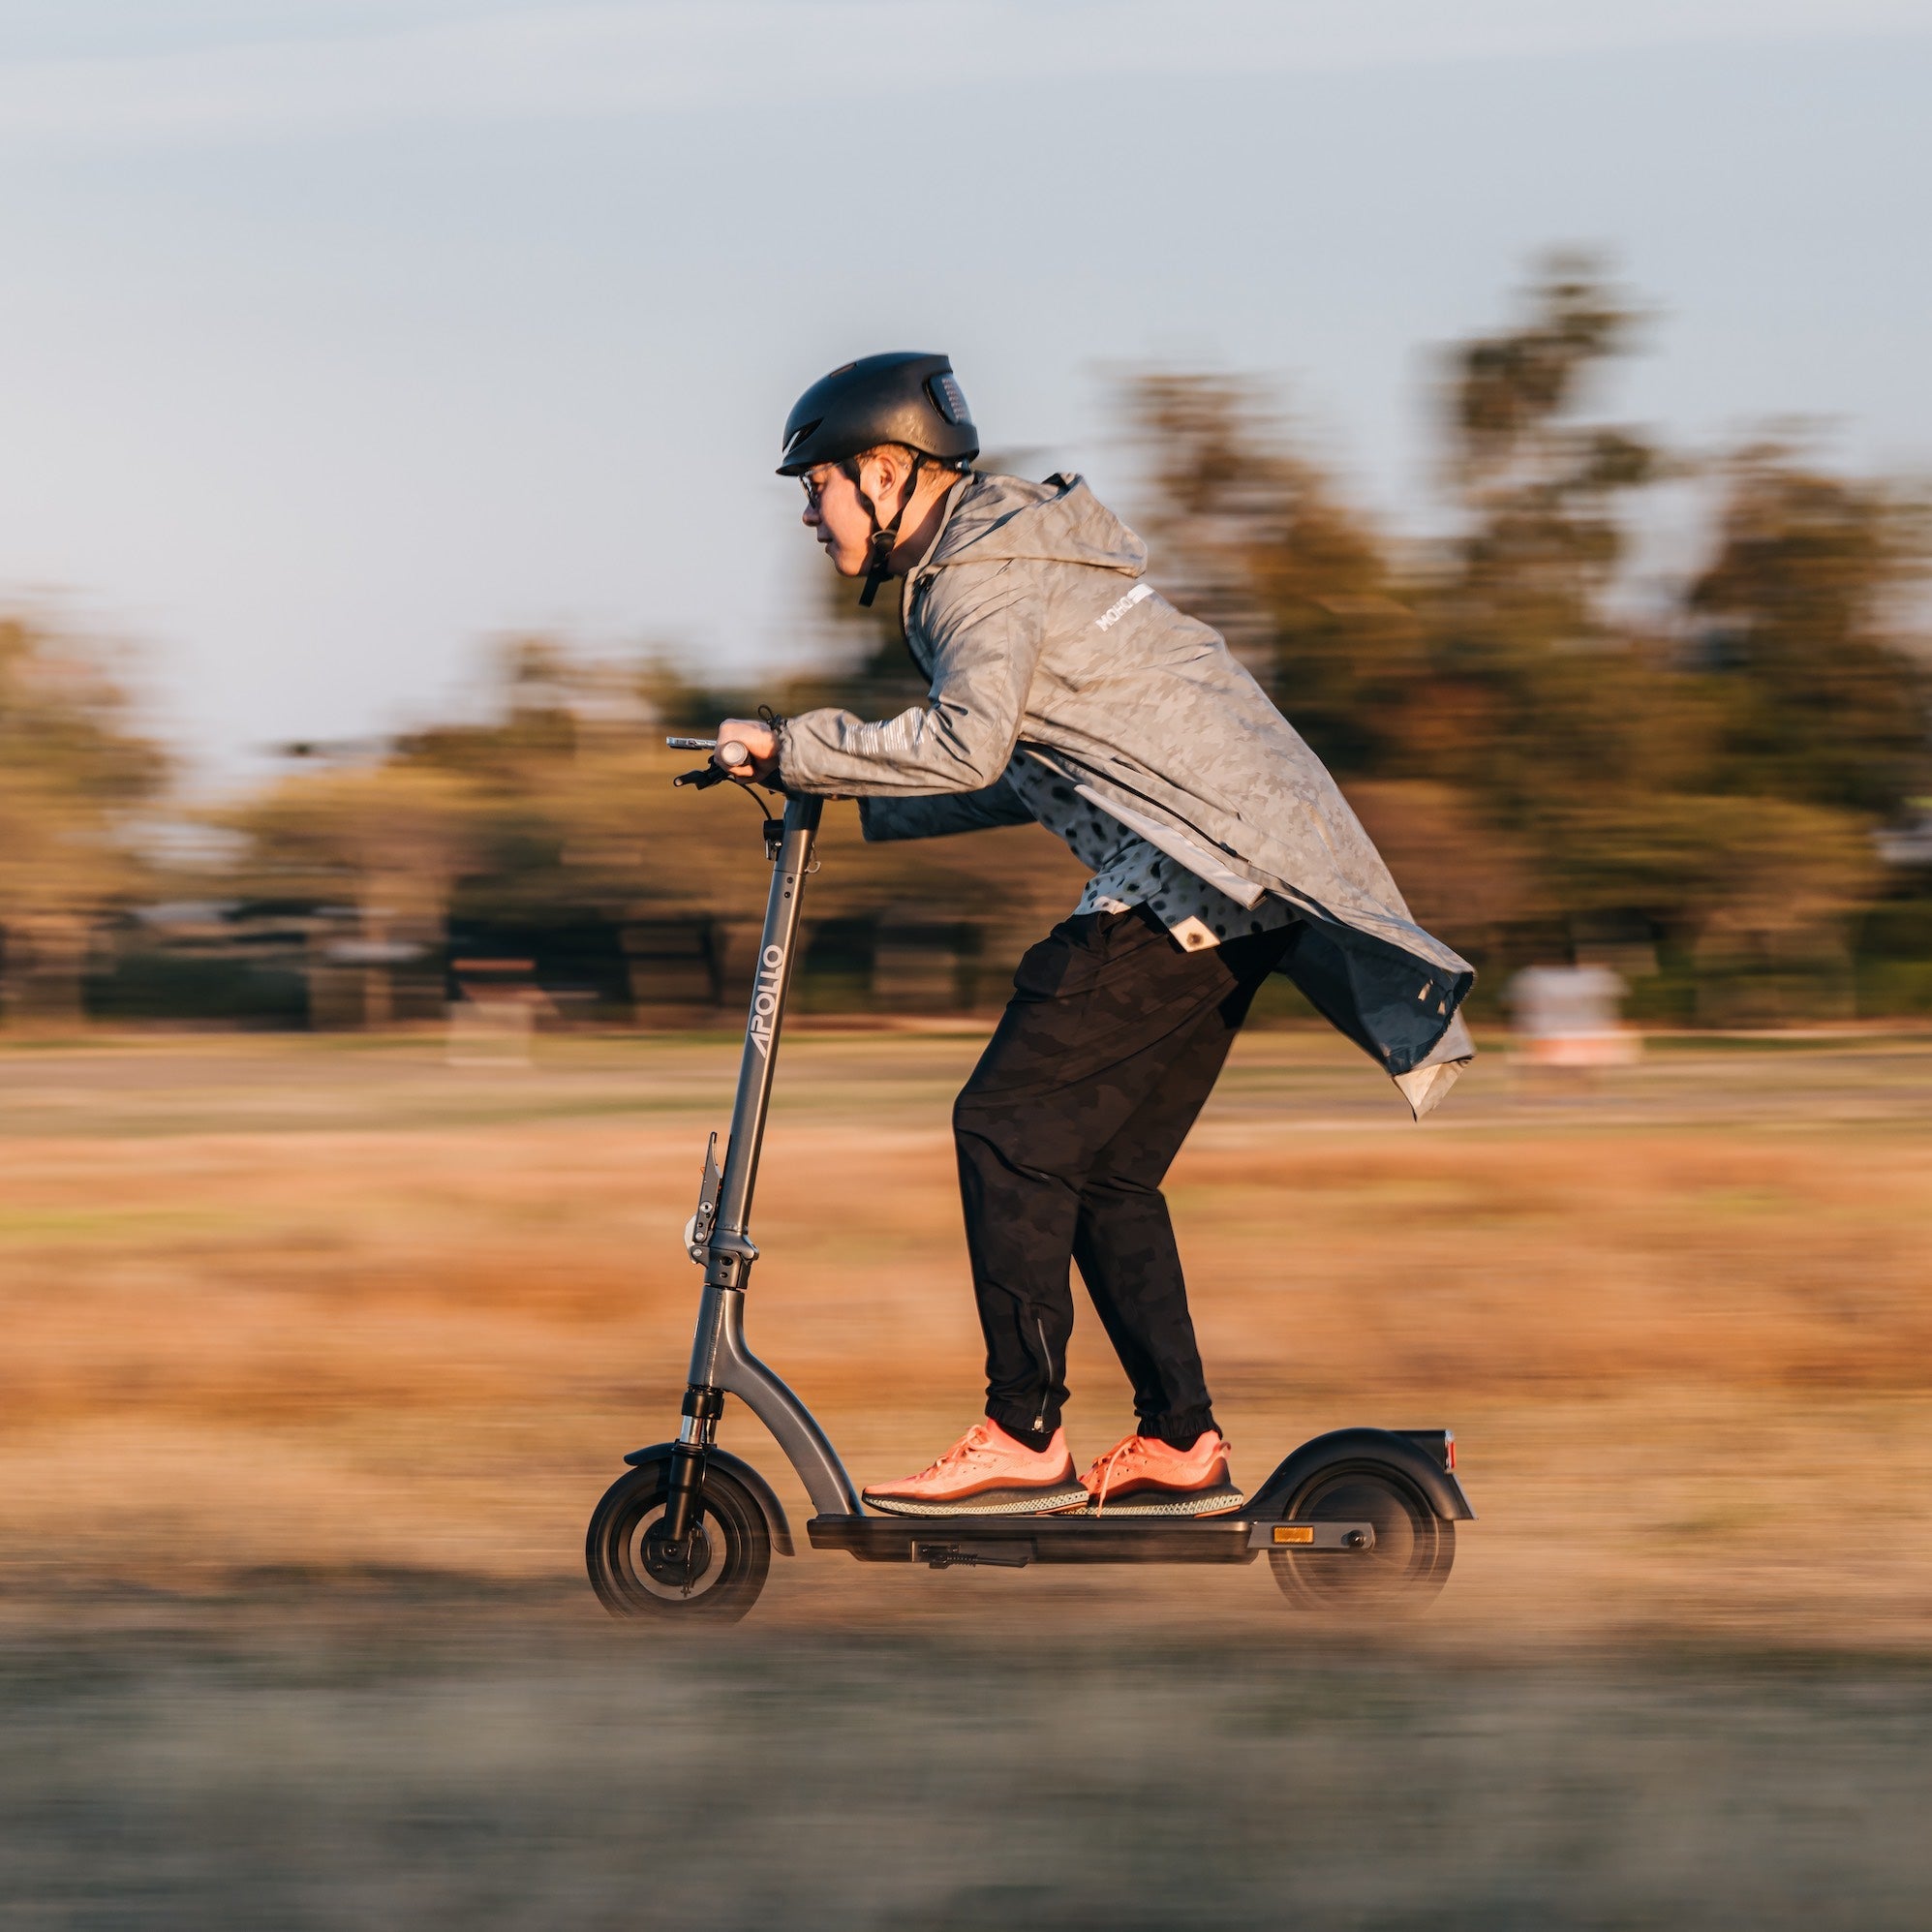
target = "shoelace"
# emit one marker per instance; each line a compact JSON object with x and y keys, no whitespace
{"x":974,"y":1442}
{"x":1131,"y":1453}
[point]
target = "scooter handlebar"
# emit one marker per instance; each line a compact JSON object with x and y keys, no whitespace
{"x":727,"y":759}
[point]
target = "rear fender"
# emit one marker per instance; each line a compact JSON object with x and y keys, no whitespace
{"x":734,"y":1465}
{"x":1362,"y":1445}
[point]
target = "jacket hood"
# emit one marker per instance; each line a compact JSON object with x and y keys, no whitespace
{"x":1001,"y":519}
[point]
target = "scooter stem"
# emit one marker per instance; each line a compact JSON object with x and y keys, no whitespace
{"x":719,"y":1359}
{"x":777,"y":947}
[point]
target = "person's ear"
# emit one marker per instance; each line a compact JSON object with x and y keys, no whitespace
{"x":885,"y":472}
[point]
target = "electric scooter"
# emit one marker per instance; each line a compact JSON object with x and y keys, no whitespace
{"x":1359,"y":1520}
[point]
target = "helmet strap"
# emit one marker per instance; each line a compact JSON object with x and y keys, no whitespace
{"x":884,"y":536}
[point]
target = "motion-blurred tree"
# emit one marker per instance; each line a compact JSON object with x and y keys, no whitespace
{"x":1531,"y":758}
{"x":388,"y":839}
{"x":75,"y":776}
{"x":1257,"y":541}
{"x":1678,"y":789}
{"x":1800,"y":615}
{"x":1524,"y":644}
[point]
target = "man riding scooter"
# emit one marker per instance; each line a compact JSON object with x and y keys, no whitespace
{"x":1066,"y":690}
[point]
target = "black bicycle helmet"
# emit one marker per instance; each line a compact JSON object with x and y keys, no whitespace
{"x":905,"y":398}
{"x":901,"y":398}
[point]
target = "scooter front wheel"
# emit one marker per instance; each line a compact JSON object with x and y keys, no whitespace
{"x":1408,"y":1564}
{"x":714,"y":1576}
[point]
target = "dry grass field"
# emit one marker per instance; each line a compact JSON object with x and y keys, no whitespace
{"x":318,"y":1352}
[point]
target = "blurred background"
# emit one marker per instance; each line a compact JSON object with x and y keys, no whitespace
{"x":389,"y":396}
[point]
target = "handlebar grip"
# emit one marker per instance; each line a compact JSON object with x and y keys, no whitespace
{"x":732,"y":754}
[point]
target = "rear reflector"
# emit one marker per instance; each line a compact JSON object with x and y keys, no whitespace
{"x":1293,"y":1532}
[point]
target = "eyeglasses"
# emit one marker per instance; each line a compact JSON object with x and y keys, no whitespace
{"x":814,"y":490}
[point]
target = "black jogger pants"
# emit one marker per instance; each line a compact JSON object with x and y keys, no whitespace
{"x":1109,"y":1047}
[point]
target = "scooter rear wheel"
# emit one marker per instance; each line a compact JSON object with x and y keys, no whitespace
{"x":1409,"y":1563}
{"x":715,"y":1579}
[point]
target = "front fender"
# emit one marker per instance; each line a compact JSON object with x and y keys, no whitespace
{"x":1361,"y":1445}
{"x":735,"y":1465}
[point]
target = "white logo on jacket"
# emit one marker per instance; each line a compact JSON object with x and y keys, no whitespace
{"x":1113,"y":612}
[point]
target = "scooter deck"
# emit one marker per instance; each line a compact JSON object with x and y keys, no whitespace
{"x":1012,"y":1542}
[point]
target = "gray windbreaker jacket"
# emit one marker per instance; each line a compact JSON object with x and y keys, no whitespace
{"x":1031,"y":617}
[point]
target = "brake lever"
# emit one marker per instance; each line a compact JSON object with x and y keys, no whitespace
{"x":731,"y":757}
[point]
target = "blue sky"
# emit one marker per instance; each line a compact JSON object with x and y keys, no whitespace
{"x":338,"y":337}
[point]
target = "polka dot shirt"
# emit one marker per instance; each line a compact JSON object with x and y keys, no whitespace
{"x":1129,"y":872}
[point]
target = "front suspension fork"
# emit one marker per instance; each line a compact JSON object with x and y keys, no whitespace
{"x":683,"y":1507}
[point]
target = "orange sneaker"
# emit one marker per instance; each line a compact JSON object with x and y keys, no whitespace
{"x":1144,"y":1476}
{"x":986,"y":1473}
